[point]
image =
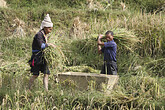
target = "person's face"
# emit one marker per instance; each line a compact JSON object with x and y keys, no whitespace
{"x":47,"y":30}
{"x":109,"y":37}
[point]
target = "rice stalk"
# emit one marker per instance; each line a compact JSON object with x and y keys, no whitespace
{"x":156,"y":66}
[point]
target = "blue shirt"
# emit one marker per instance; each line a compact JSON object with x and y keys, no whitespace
{"x":109,"y":51}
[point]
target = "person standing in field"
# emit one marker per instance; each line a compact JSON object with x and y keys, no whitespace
{"x":38,"y":63}
{"x":109,"y":49}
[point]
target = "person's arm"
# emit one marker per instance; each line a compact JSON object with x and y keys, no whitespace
{"x":99,"y":42}
{"x":99,"y":49}
{"x":40,"y":41}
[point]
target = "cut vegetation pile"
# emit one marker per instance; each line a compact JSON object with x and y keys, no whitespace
{"x":54,"y":57}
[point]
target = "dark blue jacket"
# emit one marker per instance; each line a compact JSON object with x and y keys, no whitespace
{"x":109,"y":51}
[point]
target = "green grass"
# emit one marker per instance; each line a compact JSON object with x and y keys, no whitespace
{"x":142,"y":91}
{"x":141,"y":71}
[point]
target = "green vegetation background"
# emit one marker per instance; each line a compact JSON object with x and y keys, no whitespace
{"x":141,"y":71}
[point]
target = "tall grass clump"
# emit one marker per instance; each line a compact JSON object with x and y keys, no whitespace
{"x":145,"y":91}
{"x":63,"y":4}
{"x":156,"y":66}
{"x":148,"y":5}
{"x":85,"y":53}
{"x":16,"y":48}
{"x":150,"y":29}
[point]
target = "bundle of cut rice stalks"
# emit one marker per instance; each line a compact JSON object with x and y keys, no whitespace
{"x":123,"y":37}
{"x":55,"y":56}
{"x":81,"y":68}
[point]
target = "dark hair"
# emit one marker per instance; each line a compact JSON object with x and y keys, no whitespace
{"x":109,"y":32}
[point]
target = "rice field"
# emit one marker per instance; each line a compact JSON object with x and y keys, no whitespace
{"x":139,"y":35}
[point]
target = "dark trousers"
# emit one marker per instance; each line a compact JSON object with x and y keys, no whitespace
{"x":109,"y":67}
{"x":40,"y":64}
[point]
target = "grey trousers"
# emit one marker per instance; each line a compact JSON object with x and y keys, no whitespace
{"x":109,"y":67}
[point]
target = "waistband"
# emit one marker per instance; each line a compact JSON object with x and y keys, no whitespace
{"x":34,"y":51}
{"x":37,"y":52}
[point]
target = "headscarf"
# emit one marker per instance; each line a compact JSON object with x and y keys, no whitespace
{"x":46,"y":22}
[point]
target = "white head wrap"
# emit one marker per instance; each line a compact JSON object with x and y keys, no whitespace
{"x":46,"y":22}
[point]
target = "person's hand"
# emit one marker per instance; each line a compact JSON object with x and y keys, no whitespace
{"x":101,"y":36}
{"x":50,"y":44}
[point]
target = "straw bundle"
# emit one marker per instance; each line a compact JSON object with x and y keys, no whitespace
{"x":124,"y":38}
{"x":54,"y":57}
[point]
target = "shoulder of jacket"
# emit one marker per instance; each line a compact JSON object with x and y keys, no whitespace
{"x":39,"y":34}
{"x":114,"y":42}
